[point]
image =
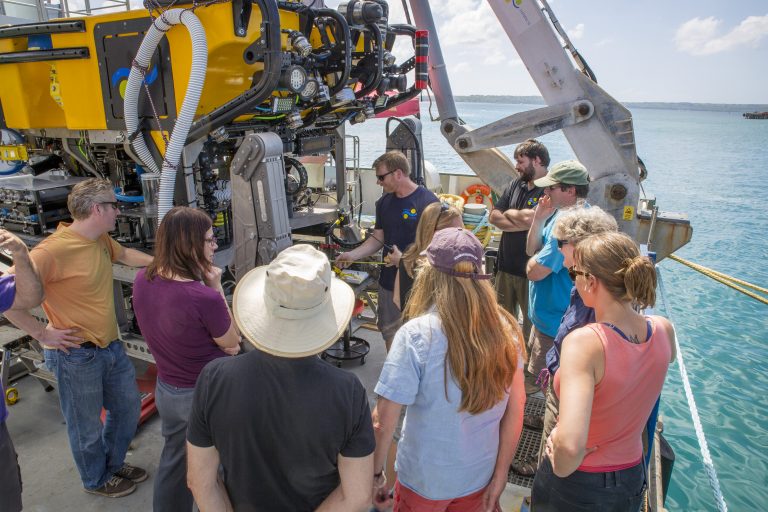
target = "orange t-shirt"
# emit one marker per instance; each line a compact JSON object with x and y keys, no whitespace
{"x":77,"y":279}
{"x":624,"y":398}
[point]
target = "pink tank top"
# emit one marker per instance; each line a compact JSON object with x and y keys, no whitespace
{"x":624,"y":398}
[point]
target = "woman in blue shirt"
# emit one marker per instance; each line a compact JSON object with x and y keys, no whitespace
{"x":457,"y":365}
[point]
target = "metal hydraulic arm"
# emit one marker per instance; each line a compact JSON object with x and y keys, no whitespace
{"x":598,"y":128}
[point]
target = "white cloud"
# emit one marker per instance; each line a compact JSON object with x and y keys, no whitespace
{"x":699,"y":36}
{"x":577,"y":32}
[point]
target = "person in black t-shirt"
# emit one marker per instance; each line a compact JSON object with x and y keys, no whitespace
{"x":291,"y":432}
{"x":513,"y":214}
{"x":397,"y":214}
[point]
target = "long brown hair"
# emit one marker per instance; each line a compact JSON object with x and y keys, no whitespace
{"x":180,"y":245}
{"x":435,"y":217}
{"x":483,"y":338}
{"x":615,"y":260}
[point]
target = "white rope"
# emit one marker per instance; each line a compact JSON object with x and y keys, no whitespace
{"x":703,"y":446}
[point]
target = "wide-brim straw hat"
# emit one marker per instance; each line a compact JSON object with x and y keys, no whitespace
{"x":295,"y":306}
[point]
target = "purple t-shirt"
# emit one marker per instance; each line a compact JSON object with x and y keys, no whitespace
{"x":7,"y":295}
{"x":179,"y":321}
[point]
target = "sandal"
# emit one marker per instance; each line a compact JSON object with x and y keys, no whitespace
{"x":533,"y":421}
{"x":527,"y":466}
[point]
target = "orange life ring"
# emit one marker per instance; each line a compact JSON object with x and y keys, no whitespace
{"x":480,"y":193}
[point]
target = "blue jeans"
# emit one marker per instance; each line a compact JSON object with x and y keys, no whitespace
{"x":89,"y":379}
{"x":614,"y":491}
{"x":171,"y":491}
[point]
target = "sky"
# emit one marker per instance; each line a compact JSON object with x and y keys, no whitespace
{"x":700,"y":51}
{"x":704,"y":51}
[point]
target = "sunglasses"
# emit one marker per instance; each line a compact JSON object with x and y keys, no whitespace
{"x":573,"y":272}
{"x":561,"y":243}
{"x":380,"y":177}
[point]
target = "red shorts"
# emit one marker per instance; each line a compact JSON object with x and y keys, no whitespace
{"x":408,"y":501}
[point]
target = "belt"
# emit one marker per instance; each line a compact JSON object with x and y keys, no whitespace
{"x":89,"y":344}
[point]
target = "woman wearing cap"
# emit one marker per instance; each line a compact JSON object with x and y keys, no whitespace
{"x":181,"y":311}
{"x":611,"y":373}
{"x":457,"y":365}
{"x":435,"y":217}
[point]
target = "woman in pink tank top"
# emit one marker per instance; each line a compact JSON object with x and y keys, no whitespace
{"x":611,"y":373}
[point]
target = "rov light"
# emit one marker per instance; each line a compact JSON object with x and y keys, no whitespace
{"x":293,"y":78}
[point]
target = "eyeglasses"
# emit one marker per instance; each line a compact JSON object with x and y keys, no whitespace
{"x":380,"y":177}
{"x":561,"y":243}
{"x":211,"y":241}
{"x":113,"y":204}
{"x":573,"y":272}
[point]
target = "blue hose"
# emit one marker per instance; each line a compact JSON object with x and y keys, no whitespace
{"x":127,"y":199}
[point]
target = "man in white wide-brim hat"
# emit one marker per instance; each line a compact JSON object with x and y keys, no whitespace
{"x":290,"y":431}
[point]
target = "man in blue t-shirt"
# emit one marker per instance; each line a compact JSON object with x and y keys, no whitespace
{"x":20,"y":291}
{"x":397,"y":215}
{"x":566,"y":185}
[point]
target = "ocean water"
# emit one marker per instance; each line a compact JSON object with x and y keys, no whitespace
{"x":712,"y":166}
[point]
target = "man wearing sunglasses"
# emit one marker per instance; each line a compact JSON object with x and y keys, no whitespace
{"x":81,"y":338}
{"x":513,"y":214}
{"x":567,"y":184}
{"x":397,"y":215}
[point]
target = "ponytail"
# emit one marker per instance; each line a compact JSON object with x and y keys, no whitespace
{"x":615,"y":260}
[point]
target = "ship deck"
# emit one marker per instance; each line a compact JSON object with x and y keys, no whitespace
{"x":50,"y":479}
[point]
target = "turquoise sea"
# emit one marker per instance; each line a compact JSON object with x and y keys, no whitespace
{"x":712,"y":166}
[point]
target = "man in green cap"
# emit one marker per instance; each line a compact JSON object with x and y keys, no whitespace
{"x":567,"y":184}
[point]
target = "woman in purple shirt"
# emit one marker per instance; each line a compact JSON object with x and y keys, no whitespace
{"x":180,"y":308}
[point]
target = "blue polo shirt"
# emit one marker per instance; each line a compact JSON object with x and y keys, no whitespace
{"x":548,"y":298}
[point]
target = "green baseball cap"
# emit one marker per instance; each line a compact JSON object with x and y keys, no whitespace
{"x":567,"y":172}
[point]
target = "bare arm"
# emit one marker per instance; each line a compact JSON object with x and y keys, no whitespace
{"x":578,"y":367}
{"x":509,"y":435}
{"x":370,"y":246}
{"x":385,"y":416}
{"x":47,"y":335}
{"x":354,"y":492}
{"x":29,"y":290}
{"x":134,"y":258}
{"x":230,"y":341}
{"x":536,"y":271}
{"x":202,"y":479}
{"x":512,"y":220}
{"x":543,"y":211}
{"x":671,"y":334}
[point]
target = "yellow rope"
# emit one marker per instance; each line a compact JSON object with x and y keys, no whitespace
{"x":725,"y":279}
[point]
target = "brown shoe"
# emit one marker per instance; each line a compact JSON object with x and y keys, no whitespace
{"x":115,"y":487}
{"x":132,"y":473}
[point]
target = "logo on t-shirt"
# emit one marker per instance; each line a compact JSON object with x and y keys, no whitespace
{"x":409,"y":213}
{"x":531,"y":202}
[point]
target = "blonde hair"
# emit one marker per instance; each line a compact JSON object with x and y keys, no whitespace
{"x":615,"y":260}
{"x":85,"y":195}
{"x":483,"y":338}
{"x":435,"y":217}
{"x":576,"y":223}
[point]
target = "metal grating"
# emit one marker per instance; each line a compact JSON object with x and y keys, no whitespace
{"x":530,"y":440}
{"x":529,"y":445}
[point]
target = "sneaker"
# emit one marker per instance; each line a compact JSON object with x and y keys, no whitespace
{"x":115,"y":487}
{"x":132,"y":473}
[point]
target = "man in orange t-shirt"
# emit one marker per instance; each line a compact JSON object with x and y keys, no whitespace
{"x":81,"y":338}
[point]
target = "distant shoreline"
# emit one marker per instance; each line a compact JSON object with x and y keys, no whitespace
{"x":538,"y":100}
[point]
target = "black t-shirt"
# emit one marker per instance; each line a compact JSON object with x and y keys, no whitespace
{"x":512,"y":257}
{"x":398,"y":217}
{"x":278,"y":425}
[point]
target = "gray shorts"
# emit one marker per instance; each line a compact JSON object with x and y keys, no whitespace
{"x":388,"y":316}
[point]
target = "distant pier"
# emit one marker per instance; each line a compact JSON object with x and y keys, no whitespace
{"x":755,"y":115}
